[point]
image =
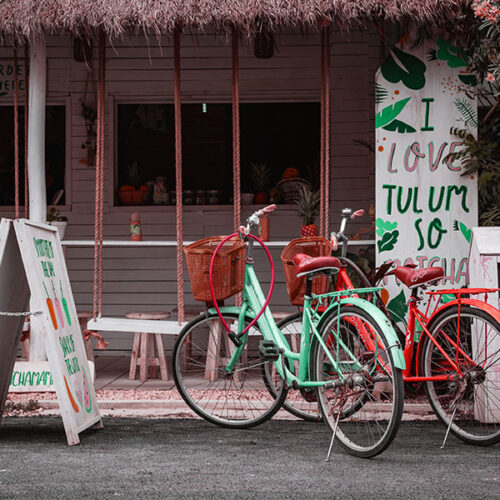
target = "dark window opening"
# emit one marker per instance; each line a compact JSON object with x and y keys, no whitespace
{"x":55,"y":154}
{"x":279,"y":135}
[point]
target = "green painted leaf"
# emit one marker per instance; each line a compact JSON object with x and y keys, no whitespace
{"x":386,"y":115}
{"x":380,"y":93}
{"x":468,"y":79}
{"x":388,"y":241}
{"x":383,"y":226}
{"x":3,"y":93}
{"x":399,"y":126}
{"x":466,"y":232}
{"x":467,"y":111}
{"x":449,"y":53}
{"x":403,"y":67}
{"x":397,"y":307}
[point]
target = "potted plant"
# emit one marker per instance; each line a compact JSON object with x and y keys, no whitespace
{"x":260,"y":176}
{"x":308,"y":209}
{"x":133,"y":193}
{"x":54,"y":218}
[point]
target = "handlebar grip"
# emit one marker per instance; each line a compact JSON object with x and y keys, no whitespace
{"x":268,"y":209}
{"x":358,"y":213}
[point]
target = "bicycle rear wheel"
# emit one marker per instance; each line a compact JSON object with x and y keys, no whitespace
{"x":363,"y":394}
{"x":238,"y":398}
{"x":296,"y":402}
{"x":470,"y":399}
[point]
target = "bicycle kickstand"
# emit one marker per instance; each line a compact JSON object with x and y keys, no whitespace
{"x":449,"y":427}
{"x":327,"y":459}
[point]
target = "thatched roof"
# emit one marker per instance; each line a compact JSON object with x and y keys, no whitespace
{"x":22,"y":18}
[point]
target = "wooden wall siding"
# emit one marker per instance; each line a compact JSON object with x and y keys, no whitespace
{"x":137,"y":69}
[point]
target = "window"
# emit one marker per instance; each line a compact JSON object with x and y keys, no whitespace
{"x":55,"y":153}
{"x":279,"y":135}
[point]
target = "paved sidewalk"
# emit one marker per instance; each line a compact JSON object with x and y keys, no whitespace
{"x":174,"y":458}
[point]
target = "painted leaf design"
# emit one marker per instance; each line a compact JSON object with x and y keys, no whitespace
{"x":449,"y":53}
{"x":383,"y":226}
{"x":3,"y":93}
{"x":386,"y":115}
{"x":397,"y":307}
{"x":380,"y":93}
{"x":466,"y":232}
{"x":467,"y":111}
{"x":388,"y":241}
{"x":399,"y":126}
{"x":468,"y":79}
{"x":400,"y":66}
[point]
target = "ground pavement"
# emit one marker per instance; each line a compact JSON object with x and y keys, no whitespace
{"x":189,"y":458}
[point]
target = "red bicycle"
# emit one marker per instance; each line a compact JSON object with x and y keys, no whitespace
{"x":456,"y":357}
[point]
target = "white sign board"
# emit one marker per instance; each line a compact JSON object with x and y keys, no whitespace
{"x":45,"y":270}
{"x":424,"y":208}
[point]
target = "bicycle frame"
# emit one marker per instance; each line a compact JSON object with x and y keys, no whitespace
{"x":253,"y":301}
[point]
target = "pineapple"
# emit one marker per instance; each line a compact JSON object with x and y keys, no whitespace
{"x":134,"y":175}
{"x":308,"y":208}
{"x":260,"y":177}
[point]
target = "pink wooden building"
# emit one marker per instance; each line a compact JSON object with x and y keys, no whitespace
{"x":280,"y":113}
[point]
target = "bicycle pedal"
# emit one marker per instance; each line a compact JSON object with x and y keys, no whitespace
{"x":269,"y":350}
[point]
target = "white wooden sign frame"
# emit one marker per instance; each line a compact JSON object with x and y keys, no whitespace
{"x":40,"y":253}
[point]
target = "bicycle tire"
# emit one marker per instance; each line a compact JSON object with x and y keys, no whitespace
{"x":366,"y":425}
{"x":295,"y":403}
{"x":468,"y":401}
{"x":238,"y":399}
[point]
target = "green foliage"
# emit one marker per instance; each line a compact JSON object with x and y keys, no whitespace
{"x":380,"y":93}
{"x":260,"y":177}
{"x":468,"y":113}
{"x":308,"y":204}
{"x":400,"y":127}
{"x":386,"y":115}
{"x":388,"y":241}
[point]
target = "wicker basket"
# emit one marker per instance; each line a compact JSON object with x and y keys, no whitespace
{"x":315,"y":246}
{"x":290,"y":188}
{"x":229,"y":267}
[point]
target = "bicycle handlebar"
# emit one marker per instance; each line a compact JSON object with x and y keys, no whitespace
{"x":254,"y":219}
{"x":335,"y":238}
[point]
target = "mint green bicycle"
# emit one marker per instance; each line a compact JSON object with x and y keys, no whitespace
{"x":233,"y":365}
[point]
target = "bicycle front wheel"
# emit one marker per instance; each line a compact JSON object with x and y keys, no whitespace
{"x":363,"y":394}
{"x":236,"y":398}
{"x":470,"y":398}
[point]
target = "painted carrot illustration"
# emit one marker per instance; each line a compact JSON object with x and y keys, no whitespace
{"x":51,"y":308}
{"x":65,"y":305}
{"x":71,"y":398}
{"x":58,"y":306}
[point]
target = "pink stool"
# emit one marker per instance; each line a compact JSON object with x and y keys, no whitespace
{"x":147,"y":349}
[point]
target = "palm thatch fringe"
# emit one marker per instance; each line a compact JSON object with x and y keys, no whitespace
{"x":21,"y":19}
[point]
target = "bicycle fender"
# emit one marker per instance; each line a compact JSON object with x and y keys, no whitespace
{"x":488,"y":308}
{"x":385,"y":325}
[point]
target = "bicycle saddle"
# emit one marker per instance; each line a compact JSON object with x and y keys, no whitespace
{"x":315,"y":265}
{"x":415,"y":277}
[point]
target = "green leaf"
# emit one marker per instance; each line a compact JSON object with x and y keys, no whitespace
{"x":467,"y":111}
{"x":449,"y":53}
{"x":388,"y":241}
{"x":380,"y":93}
{"x":383,"y":226}
{"x":400,"y":66}
{"x":3,"y":93}
{"x":397,"y":307}
{"x":468,"y":79}
{"x":386,"y":115}
{"x":399,"y":126}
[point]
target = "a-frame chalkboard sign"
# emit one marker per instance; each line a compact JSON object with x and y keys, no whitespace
{"x":32,"y":261}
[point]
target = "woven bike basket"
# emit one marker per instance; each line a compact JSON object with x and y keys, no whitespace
{"x":315,"y":246}
{"x":229,"y":267}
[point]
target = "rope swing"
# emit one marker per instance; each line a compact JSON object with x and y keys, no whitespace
{"x":178,"y":174}
{"x":324,"y":215}
{"x":99,"y":179}
{"x":235,"y":87}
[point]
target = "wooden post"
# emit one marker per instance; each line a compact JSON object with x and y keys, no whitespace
{"x":36,"y":162}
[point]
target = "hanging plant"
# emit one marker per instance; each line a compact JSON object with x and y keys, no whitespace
{"x":89,"y":114}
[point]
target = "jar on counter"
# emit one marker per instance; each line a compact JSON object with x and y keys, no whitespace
{"x":200,"y":197}
{"x":213,"y":197}
{"x":187,"y":197}
{"x":160,"y":195}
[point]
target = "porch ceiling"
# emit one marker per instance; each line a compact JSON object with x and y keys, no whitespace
{"x":24,"y":18}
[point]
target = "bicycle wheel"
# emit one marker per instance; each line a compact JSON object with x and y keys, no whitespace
{"x":300,"y":404}
{"x":364,"y":391}
{"x":470,"y":399}
{"x":238,"y":398}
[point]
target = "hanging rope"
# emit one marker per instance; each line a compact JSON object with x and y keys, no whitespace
{"x":326,"y":161}
{"x":322,"y":140}
{"x":178,"y":174}
{"x":16,"y":136}
{"x":325,"y":133}
{"x":99,"y":180}
{"x":26,"y":102}
{"x":236,"y":132}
